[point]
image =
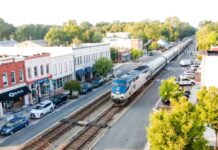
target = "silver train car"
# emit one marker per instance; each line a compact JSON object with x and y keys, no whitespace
{"x":123,"y":88}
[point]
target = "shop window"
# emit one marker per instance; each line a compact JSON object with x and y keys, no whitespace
{"x":47,"y":68}
{"x":35,"y":71}
{"x":21,"y":75}
{"x":42,"y":69}
{"x":13,"y":80}
{"x":5,"y":79}
{"x":59,"y":83}
{"x":29,"y":73}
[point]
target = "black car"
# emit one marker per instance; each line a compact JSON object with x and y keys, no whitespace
{"x":14,"y":125}
{"x":59,"y":99}
{"x":85,"y":88}
{"x":97,"y":82}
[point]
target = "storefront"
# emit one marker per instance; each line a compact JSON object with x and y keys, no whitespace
{"x":40,"y":88}
{"x":15,"y":99}
{"x":59,"y":83}
{"x":88,"y":73}
{"x":80,"y":75}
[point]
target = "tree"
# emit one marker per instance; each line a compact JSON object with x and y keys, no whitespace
{"x":169,"y":90}
{"x":72,"y":85}
{"x":177,"y":129}
{"x":208,"y":107}
{"x":114,"y":54}
{"x":97,"y":37}
{"x":6,"y":30}
{"x":153,"y":46}
{"x":103,"y":66}
{"x":31,"y":32}
{"x":207,"y":35}
{"x":136,"y":53}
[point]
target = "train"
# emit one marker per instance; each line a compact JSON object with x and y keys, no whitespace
{"x":124,"y":87}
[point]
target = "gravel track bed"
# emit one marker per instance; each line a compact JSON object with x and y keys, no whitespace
{"x":61,"y":141}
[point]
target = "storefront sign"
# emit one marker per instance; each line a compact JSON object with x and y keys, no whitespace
{"x":42,"y":80}
{"x":13,"y":94}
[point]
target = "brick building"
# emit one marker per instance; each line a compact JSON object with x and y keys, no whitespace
{"x":13,"y":89}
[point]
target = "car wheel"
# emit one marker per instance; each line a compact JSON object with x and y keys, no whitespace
{"x":12,"y":132}
{"x":51,"y":110}
{"x":41,"y":115}
{"x":26,"y":125}
{"x":192,"y":83}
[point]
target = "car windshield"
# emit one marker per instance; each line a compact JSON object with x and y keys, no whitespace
{"x":39,"y":107}
{"x":84,"y":85}
{"x":9,"y":124}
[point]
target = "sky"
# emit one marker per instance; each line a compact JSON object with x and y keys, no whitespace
{"x":51,"y":12}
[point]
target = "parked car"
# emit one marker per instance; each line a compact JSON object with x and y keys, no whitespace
{"x":97,"y":82}
{"x":183,"y":81}
{"x":14,"y":125}
{"x":42,"y":109}
{"x":85,"y":88}
{"x":59,"y":99}
{"x":185,"y":62}
{"x":187,"y":75}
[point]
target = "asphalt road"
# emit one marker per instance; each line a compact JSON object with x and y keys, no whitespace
{"x":129,"y":132}
{"x":42,"y":124}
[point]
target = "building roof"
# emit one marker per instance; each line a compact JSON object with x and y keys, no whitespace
{"x":33,"y":43}
{"x":8,"y":43}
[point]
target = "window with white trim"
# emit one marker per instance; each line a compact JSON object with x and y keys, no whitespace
{"x":13,"y":78}
{"x":42,"y":70}
{"x":47,"y":68}
{"x":35,"y":71}
{"x":29,"y":73}
{"x":5,"y":79}
{"x":55,"y":69}
{"x":65,"y":67}
{"x":60,"y":68}
{"x":21,"y":74}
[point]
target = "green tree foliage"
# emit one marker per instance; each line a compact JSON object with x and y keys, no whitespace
{"x":208,"y":107}
{"x":153,"y":46}
{"x":72,"y":85}
{"x":114,"y":54}
{"x":136,"y":53}
{"x":6,"y":30}
{"x":103,"y":66}
{"x":169,"y":90}
{"x":177,"y":129}
{"x":207,"y":35}
{"x":31,"y":32}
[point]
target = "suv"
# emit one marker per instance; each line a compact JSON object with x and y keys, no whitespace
{"x":41,"y":109}
{"x":183,"y":81}
{"x":59,"y":99}
{"x":85,"y":88}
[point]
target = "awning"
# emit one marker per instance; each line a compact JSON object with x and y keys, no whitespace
{"x":88,"y":70}
{"x":80,"y":73}
{"x":16,"y":93}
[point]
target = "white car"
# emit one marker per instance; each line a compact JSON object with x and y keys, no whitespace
{"x":42,"y":109}
{"x":183,"y":81}
{"x":185,"y":62}
{"x":187,"y":75}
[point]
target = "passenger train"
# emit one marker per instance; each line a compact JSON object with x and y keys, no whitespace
{"x":128,"y":84}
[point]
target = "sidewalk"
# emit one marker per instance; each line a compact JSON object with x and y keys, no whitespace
{"x":23,"y":111}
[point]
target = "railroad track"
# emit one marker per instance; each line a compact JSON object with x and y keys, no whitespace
{"x":44,"y":140}
{"x":89,"y":132}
